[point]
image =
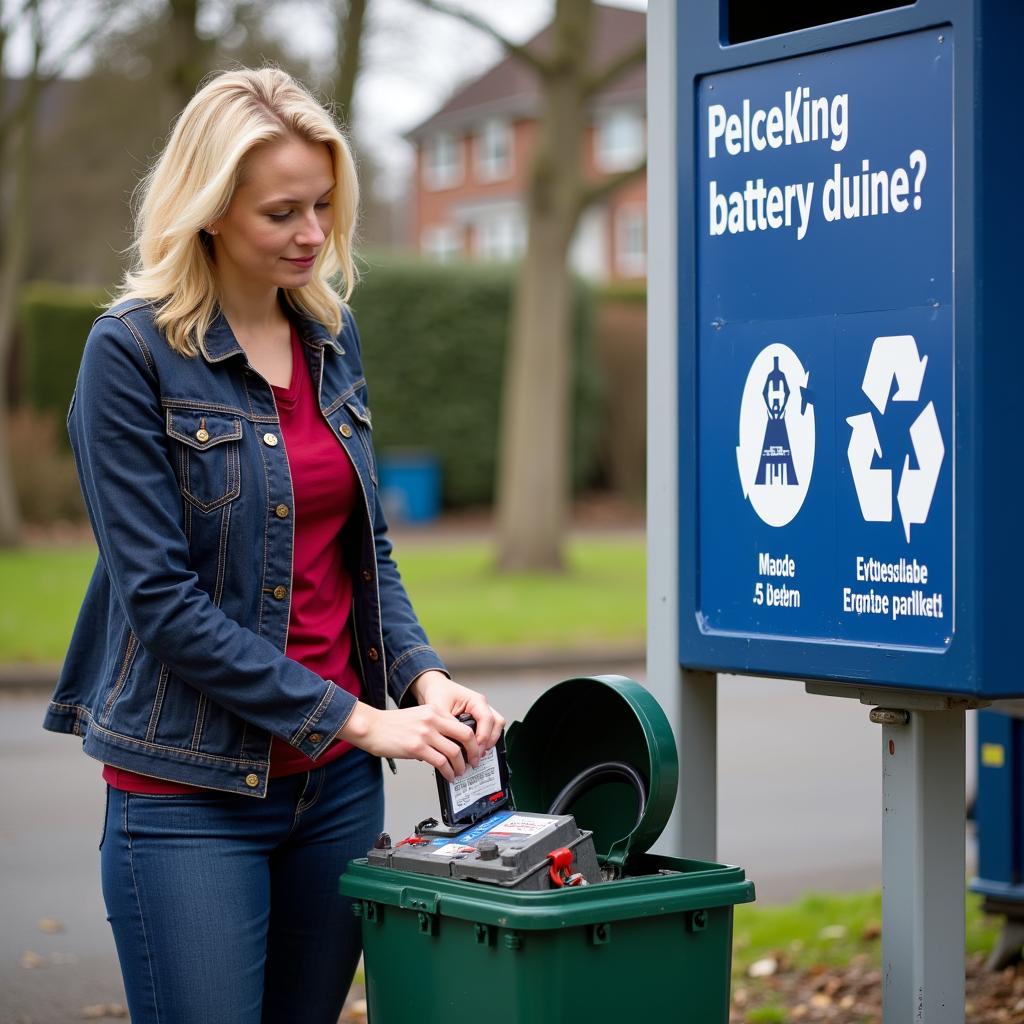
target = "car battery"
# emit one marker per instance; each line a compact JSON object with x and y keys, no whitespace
{"x":483,"y":838}
{"x":508,"y":848}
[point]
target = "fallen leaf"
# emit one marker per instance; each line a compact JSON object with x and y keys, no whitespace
{"x":763,"y":968}
{"x":30,"y":960}
{"x":871,"y":931}
{"x":820,"y":1001}
{"x":832,"y":932}
{"x":101,"y":1011}
{"x":49,"y":925}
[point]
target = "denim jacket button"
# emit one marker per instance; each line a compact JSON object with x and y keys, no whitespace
{"x":202,"y":436}
{"x":280,"y":592}
{"x":281,"y":511}
{"x":314,"y":737}
{"x":367,"y":575}
{"x":373,"y":654}
{"x":345,"y":430}
{"x":270,"y":439}
{"x":252,"y":780}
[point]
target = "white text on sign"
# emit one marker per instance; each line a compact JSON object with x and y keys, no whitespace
{"x":799,"y":119}
{"x":915,"y":604}
{"x":771,"y":594}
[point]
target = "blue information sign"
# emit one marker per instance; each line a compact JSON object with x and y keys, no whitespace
{"x":825,"y":347}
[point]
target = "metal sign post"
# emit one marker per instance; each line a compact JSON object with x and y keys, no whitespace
{"x":834,"y":402}
{"x":923,"y":858}
{"x":923,"y":867}
{"x":688,"y":697}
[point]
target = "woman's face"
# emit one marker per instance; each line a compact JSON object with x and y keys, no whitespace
{"x":279,"y":216}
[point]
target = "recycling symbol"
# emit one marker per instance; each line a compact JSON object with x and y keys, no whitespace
{"x":895,"y":357}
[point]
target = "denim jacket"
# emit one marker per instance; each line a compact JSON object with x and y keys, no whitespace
{"x":176,"y":667}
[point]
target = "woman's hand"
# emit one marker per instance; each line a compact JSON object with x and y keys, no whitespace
{"x":425,"y":733}
{"x":435,"y":689}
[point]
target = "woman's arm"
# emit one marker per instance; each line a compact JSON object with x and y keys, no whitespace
{"x":118,"y":436}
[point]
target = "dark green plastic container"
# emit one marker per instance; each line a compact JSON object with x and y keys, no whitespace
{"x":656,"y":941}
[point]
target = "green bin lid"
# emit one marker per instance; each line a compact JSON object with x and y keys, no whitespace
{"x":587,"y":721}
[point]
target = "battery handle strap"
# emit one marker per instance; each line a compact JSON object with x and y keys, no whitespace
{"x":606,"y":771}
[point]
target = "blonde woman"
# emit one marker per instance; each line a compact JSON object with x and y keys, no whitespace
{"x":245,"y":619}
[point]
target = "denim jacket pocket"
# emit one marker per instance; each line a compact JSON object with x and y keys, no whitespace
{"x":364,"y":428}
{"x":207,"y":456}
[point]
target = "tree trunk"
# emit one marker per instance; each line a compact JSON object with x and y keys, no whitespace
{"x":186,"y":57}
{"x":533,"y":481}
{"x":12,"y":269}
{"x":350,"y":37}
{"x":4,"y":97}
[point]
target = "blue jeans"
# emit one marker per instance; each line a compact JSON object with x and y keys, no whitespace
{"x":225,"y":908}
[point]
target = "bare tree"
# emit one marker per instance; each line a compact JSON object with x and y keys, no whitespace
{"x":18,"y":120}
{"x":533,"y":458}
{"x":13,"y":247}
{"x":350,"y":19}
{"x":186,"y":56}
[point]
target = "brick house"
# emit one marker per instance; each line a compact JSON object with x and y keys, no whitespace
{"x":473,"y":160}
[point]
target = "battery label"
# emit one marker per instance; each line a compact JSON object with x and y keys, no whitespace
{"x":453,"y":850}
{"x":520,"y":825}
{"x":481,"y":828}
{"x":476,"y":783}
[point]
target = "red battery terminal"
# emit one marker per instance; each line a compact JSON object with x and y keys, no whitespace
{"x":413,"y":841}
{"x":560,"y":869}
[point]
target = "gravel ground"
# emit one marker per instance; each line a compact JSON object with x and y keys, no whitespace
{"x":853,"y":995}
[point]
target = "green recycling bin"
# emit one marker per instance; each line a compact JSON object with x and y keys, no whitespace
{"x":656,"y":938}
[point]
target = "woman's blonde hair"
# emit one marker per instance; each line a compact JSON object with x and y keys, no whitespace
{"x":191,"y":186}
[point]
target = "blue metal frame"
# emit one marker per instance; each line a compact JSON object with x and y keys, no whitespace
{"x":982,"y":656}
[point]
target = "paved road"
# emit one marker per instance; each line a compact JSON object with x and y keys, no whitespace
{"x":799,"y":808}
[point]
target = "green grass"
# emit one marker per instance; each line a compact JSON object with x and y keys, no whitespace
{"x":767,"y":1015}
{"x":829,"y":929}
{"x":460,"y":599}
{"x":463,"y":602}
{"x":43,"y":588}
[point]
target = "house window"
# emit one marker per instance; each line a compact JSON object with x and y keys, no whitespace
{"x":442,"y":243}
{"x":618,"y":138}
{"x":494,"y":151}
{"x":442,"y":165}
{"x":500,"y":236}
{"x":631,"y":240}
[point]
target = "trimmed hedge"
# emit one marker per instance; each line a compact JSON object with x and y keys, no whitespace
{"x":434,"y":341}
{"x":624,"y":292}
{"x":55,"y":321}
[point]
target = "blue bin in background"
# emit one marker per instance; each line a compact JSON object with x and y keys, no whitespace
{"x":999,"y":808}
{"x":999,"y":818}
{"x":410,"y":486}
